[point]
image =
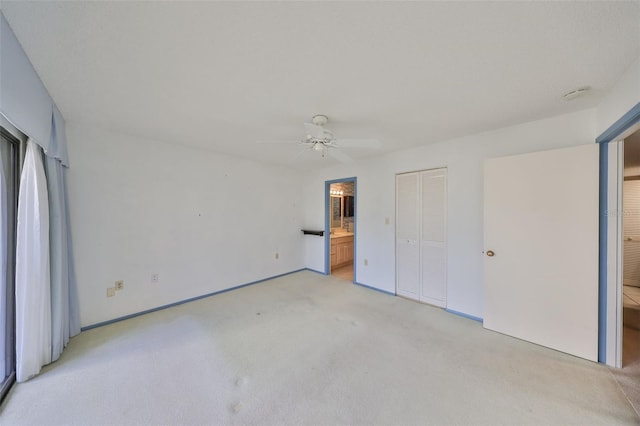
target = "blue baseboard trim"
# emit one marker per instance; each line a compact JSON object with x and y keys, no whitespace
{"x":192,"y":299}
{"x":373,"y":288}
{"x":462,"y":314}
{"x":313,"y":270}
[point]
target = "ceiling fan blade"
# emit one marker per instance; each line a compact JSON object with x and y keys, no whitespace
{"x":299,"y":153}
{"x":278,"y":142}
{"x":340,"y":156}
{"x":315,"y":131}
{"x":359,"y":143}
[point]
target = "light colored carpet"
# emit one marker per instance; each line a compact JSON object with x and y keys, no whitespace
{"x":629,"y":375}
{"x":311,"y":349}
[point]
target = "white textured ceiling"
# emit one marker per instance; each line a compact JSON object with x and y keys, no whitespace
{"x":224,"y":75}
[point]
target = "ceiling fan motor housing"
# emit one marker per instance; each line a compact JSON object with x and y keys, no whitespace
{"x":320,"y":120}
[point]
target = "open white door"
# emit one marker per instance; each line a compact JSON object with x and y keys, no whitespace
{"x":541,"y":225}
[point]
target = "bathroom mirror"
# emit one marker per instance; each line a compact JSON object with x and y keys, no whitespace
{"x":336,"y":211}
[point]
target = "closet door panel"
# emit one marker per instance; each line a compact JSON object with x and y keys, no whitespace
{"x":407,"y":207}
{"x":408,"y":269}
{"x":407,"y":233}
{"x":433,"y":236}
{"x":433,"y":283}
{"x":433,"y":205}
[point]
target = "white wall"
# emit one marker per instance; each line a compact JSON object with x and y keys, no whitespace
{"x":207,"y":222}
{"x":621,"y":98}
{"x":203,"y":221}
{"x":464,"y":158}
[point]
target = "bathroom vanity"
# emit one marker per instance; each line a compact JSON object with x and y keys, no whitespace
{"x":341,"y":249}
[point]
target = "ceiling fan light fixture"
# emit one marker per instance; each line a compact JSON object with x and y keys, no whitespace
{"x":319,"y":139}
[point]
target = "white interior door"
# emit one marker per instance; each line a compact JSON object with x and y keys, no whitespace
{"x":541,"y":221}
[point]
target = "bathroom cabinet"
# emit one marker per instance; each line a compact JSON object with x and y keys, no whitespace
{"x":341,"y":251}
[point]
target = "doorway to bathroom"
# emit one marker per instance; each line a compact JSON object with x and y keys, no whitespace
{"x":340,"y":228}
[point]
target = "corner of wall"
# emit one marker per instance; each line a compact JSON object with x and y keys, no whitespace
{"x":622,"y":97}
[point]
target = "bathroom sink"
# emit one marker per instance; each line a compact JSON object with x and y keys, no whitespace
{"x":341,"y":234}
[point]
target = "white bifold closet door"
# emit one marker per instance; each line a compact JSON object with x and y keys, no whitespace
{"x":421,"y":236}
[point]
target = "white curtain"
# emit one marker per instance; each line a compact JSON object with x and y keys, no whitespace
{"x":46,"y":294}
{"x":33,"y":299}
{"x":63,"y":323}
{"x":3,"y":267}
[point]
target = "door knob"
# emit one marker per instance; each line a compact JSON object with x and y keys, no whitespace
{"x":490,"y":253}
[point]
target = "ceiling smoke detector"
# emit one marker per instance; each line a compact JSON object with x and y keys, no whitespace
{"x":569,"y":96}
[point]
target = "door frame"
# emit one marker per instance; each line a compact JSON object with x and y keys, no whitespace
{"x":327,"y":223}
{"x":610,"y":259}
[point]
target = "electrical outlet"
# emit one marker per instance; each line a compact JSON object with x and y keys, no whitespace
{"x":119,"y":285}
{"x":277,"y":256}
{"x":366,"y":262}
{"x":111,"y":291}
{"x":154,"y":277}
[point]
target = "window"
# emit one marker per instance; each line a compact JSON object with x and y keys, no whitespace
{"x":12,"y":144}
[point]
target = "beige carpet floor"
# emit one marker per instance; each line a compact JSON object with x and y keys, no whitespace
{"x":312,"y":349}
{"x":629,"y":375}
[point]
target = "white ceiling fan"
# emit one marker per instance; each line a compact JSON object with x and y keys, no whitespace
{"x":320,"y":139}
